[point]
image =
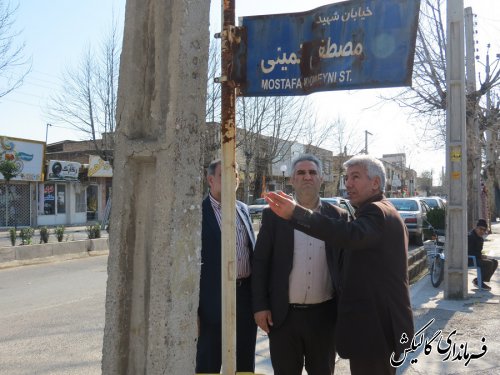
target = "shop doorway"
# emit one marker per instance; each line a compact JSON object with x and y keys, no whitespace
{"x":92,"y":203}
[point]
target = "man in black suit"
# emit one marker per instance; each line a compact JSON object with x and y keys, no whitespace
{"x":293,"y":282}
{"x":208,"y":355}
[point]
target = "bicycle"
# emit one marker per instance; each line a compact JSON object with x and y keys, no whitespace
{"x":437,"y":262}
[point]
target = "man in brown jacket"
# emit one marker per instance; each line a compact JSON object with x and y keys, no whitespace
{"x":374,"y":317}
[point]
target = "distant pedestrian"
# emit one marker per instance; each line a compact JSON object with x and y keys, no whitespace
{"x":294,"y":282}
{"x":475,"y":247}
{"x":209,"y":348}
{"x":375,"y":317}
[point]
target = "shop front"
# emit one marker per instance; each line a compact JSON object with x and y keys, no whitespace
{"x":62,"y":199}
{"x":18,"y":194}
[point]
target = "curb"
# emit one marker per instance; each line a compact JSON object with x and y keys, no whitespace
{"x":40,"y":253}
{"x":417,"y":264}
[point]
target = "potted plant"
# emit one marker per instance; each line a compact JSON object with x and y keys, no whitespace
{"x":59,"y":232}
{"x":26,"y":234}
{"x":13,"y":236}
{"x":44,"y":234}
{"x":94,"y":231}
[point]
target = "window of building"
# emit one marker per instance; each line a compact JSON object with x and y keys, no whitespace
{"x":61,"y":199}
{"x":80,"y":201}
{"x":54,"y":199}
{"x":49,"y":199}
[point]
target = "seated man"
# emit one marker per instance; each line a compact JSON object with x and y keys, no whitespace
{"x":475,"y":248}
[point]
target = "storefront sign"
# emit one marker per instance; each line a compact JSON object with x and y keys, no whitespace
{"x":99,"y":167}
{"x":26,"y":154}
{"x":63,"y":170}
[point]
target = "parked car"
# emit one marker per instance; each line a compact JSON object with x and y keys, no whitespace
{"x":259,"y":204}
{"x":257,"y":207}
{"x":414,"y":213}
{"x":434,"y":202}
{"x":342,"y":203}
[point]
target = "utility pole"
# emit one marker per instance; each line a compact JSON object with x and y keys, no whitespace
{"x":455,"y":276}
{"x":47,"y":133}
{"x":472,"y":125}
{"x":367,"y":133}
{"x":490,"y":148}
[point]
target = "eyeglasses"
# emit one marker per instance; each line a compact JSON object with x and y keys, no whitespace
{"x":482,"y":229}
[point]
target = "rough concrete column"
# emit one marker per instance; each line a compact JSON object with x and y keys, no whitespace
{"x":153,"y":267}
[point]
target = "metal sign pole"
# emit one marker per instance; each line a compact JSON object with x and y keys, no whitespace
{"x":228,"y":192}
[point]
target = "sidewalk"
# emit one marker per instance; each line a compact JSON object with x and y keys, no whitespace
{"x":472,"y":319}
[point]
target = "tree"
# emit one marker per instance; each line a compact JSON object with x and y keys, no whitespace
{"x":12,"y":60}
{"x":9,"y":169}
{"x":425,"y":182}
{"x":427,"y":98}
{"x":269,"y":126}
{"x":346,"y":141}
{"x":87,"y":100}
{"x":213,"y":88}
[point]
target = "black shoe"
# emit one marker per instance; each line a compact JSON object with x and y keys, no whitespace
{"x":486,"y":287}
{"x":474,"y":282}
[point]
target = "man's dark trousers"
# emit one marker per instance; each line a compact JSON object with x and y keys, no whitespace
{"x":305,"y":328}
{"x":209,"y":357}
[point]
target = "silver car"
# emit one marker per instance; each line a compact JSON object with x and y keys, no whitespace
{"x":342,"y":203}
{"x":414,"y":213}
{"x":257,"y":207}
{"x":434,"y":202}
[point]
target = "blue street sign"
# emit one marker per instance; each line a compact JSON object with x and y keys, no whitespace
{"x":349,"y":45}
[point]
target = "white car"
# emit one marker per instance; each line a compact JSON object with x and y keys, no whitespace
{"x":413,"y":211}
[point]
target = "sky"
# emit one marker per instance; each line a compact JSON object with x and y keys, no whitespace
{"x":57,"y":32}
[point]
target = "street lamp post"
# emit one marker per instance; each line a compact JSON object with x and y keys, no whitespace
{"x":283,"y":170}
{"x":47,"y":132}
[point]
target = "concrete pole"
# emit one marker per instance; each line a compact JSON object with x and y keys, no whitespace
{"x":456,"y":151}
{"x":154,"y":260}
{"x":472,"y":126}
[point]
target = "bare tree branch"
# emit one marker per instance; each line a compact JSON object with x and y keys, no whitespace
{"x":12,"y":60}
{"x":87,"y":100}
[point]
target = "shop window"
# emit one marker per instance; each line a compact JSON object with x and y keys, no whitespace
{"x":61,"y":199}
{"x":80,"y":201}
{"x":49,"y":199}
{"x":54,"y":199}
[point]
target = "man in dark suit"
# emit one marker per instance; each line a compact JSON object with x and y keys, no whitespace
{"x":208,"y":355}
{"x":293,"y":282}
{"x":375,"y":321}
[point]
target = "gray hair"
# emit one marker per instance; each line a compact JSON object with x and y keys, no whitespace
{"x":307,"y":157}
{"x":213,"y":165}
{"x":373,"y":166}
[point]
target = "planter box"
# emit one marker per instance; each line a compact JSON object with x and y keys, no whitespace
{"x":25,"y":252}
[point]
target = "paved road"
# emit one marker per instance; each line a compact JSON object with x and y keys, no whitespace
{"x":52,"y":318}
